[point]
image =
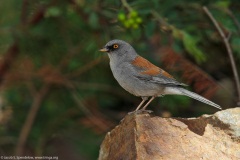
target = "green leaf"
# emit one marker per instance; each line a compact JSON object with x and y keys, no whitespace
{"x":235,"y":42}
{"x":53,"y":12}
{"x":93,"y":20}
{"x":176,"y":33}
{"x":149,"y":30}
{"x":190,"y":44}
{"x":223,"y":3}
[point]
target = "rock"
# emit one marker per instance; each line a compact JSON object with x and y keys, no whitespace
{"x":144,"y":136}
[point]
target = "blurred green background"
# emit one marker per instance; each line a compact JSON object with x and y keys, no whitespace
{"x":58,"y":95}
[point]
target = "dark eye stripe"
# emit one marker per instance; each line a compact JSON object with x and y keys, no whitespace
{"x":113,"y":47}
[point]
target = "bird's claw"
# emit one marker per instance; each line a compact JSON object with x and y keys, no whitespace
{"x":140,"y":111}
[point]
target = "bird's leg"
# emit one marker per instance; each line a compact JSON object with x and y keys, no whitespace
{"x":137,"y":109}
{"x":148,"y":103}
{"x":143,"y":100}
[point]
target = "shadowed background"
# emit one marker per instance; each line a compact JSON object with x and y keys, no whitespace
{"x":58,"y":95}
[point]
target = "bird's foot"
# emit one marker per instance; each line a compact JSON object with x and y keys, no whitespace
{"x":140,"y":111}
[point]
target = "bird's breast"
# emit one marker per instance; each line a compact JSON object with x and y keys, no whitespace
{"x":125,"y":75}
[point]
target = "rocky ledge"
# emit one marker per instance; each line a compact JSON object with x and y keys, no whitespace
{"x":144,"y":136}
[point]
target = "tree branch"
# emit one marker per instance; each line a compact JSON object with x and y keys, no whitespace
{"x":30,"y":119}
{"x":85,"y":68}
{"x":8,"y":59}
{"x":125,"y":4}
{"x":229,"y":51}
{"x":235,"y":20}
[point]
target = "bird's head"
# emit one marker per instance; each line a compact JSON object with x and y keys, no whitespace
{"x":118,"y":48}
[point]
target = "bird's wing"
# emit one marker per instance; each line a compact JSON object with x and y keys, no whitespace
{"x":149,"y":72}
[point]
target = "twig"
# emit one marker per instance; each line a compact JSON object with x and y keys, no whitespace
{"x":79,"y":103}
{"x":39,"y":14}
{"x":30,"y":119}
{"x":23,"y":17}
{"x":85,"y":68}
{"x":69,"y":56}
{"x":90,"y":116}
{"x":8,"y":60}
{"x":235,"y":20}
{"x":229,"y":51}
{"x":229,"y":36}
{"x":125,"y":4}
{"x":163,"y":23}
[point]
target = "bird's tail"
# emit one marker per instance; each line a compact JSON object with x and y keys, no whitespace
{"x":182,"y":91}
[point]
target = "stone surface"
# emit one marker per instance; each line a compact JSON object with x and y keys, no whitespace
{"x":144,"y":136}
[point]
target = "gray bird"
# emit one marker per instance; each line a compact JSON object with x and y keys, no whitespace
{"x":141,"y":78}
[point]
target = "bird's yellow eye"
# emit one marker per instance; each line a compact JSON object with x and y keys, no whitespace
{"x":115,"y":46}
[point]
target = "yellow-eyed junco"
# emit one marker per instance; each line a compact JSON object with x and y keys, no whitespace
{"x":142,"y":78}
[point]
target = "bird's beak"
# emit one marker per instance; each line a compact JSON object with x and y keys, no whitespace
{"x":104,"y":50}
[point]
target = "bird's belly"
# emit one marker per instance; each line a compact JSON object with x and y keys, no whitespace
{"x":137,"y":87}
